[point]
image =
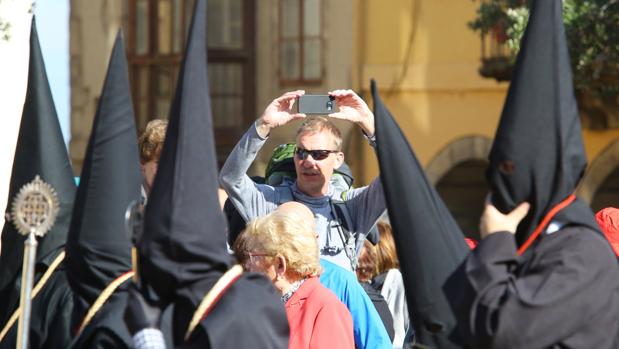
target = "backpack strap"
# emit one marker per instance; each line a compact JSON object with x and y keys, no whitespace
{"x":285,"y":194}
{"x":340,"y":213}
{"x":345,"y":229}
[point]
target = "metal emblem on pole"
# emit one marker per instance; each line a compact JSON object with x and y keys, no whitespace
{"x":33,"y":212}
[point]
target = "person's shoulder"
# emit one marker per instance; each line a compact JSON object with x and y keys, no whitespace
{"x":283,"y":191}
{"x":579,"y":244}
{"x":253,"y":292}
{"x":326,"y":303}
{"x":102,"y":338}
{"x":333,"y":271}
{"x":350,"y":193}
{"x":578,"y":238}
{"x":254,"y":282}
{"x":58,"y":281}
{"x":320,"y":294}
{"x":110,"y":315}
{"x":57,"y":295}
{"x":251,"y":307}
{"x":107,"y":329}
{"x":394,"y":276}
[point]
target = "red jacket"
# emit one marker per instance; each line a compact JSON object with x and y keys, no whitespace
{"x":318,"y":319}
{"x":608,"y":219}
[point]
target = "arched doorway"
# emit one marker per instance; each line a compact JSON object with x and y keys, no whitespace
{"x":600,"y":184}
{"x":458,"y":173}
{"x":464,"y":189}
{"x":607,"y":194}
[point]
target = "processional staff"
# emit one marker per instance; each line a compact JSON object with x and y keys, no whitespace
{"x":33,"y":212}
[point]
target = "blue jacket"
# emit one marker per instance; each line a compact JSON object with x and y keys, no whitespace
{"x":368,"y":328}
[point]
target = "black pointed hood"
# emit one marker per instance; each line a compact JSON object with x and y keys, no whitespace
{"x":184,"y":240}
{"x":40,"y":151}
{"x":538,"y":154}
{"x":98,"y":248}
{"x":429,"y":243}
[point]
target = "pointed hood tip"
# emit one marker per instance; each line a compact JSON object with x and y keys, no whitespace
{"x":534,"y":157}
{"x":40,"y":150}
{"x":423,"y":227}
{"x":98,"y":248}
{"x":186,"y":179}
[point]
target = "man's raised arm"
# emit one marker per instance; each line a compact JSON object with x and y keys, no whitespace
{"x":366,"y":204}
{"x":249,"y":198}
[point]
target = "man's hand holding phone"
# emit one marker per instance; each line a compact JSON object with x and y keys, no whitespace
{"x":317,"y":104}
{"x":339,"y":104}
{"x":354,"y":109}
{"x":279,"y":112}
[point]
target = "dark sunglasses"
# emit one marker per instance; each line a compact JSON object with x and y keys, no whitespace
{"x":316,"y":154}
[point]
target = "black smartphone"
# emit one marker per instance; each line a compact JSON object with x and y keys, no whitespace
{"x":317,"y":104}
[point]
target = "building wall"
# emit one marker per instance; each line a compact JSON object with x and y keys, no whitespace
{"x":425,"y":60}
{"x":93,"y":27}
{"x":338,"y":49}
{"x":421,"y":53}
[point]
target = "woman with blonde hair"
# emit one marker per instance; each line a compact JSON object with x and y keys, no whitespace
{"x":283,"y":246}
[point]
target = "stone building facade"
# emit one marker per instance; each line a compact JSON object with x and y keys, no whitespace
{"x":420,"y":52}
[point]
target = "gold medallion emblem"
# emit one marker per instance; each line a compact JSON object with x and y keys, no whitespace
{"x":35,"y":207}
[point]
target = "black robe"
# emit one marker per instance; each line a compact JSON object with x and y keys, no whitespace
{"x":107,"y":328}
{"x":50,"y":327}
{"x":182,"y":252}
{"x":41,"y":151}
{"x":562,"y":293}
{"x":232,"y":322}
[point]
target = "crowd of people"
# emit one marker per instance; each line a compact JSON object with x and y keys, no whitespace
{"x":325,"y":302}
{"x":208,"y":259}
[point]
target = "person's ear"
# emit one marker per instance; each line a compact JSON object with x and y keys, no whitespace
{"x":339,"y":159}
{"x":280,"y":265}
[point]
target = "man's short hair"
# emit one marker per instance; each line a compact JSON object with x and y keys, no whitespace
{"x":284,"y":235}
{"x":319,"y":124}
{"x":151,"y":141}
